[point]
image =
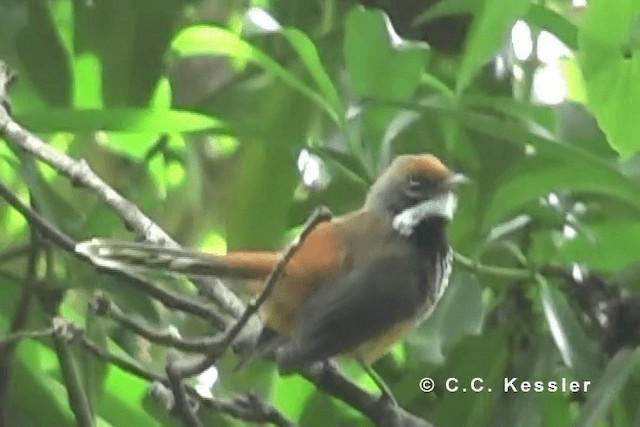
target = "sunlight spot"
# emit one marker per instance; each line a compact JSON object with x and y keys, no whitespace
{"x":549,"y":86}
{"x":14,"y":222}
{"x":259,"y":21}
{"x":214,"y":243}
{"x":101,"y":137}
{"x":580,"y":208}
{"x":553,"y":199}
{"x":221,"y":145}
{"x":551,"y":49}
{"x":353,"y":111}
{"x":521,"y":40}
{"x":396,"y":40}
{"x":518,"y":72}
{"x":576,"y":273}
{"x":529,"y":150}
{"x":310,"y":167}
{"x":568,"y":232}
{"x":500,"y":67}
{"x":206,"y":380}
{"x":175,"y":174}
{"x":173,"y":331}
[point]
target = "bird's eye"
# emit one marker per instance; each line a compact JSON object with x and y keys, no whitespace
{"x":414,"y":183}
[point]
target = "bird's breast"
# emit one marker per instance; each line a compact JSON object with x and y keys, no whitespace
{"x":434,"y":280}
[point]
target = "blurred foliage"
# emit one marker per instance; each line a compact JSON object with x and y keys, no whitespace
{"x":228,"y":121}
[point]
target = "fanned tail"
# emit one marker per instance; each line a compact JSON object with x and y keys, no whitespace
{"x":116,"y":254}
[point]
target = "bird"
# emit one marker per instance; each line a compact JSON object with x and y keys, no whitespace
{"x":357,"y":284}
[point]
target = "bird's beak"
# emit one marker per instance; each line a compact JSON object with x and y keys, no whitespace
{"x":455,"y":180}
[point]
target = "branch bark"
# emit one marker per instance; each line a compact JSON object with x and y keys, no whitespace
{"x":79,"y":173}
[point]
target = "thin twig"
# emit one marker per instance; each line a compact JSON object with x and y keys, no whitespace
{"x":76,"y":392}
{"x":235,"y":407}
{"x":252,"y":408}
{"x":37,"y":220}
{"x":321,"y":214}
{"x":173,"y":300}
{"x":491,"y":270}
{"x":329,"y":379}
{"x":12,"y":253}
{"x":183,"y":407}
{"x":18,"y":323}
{"x":79,"y":173}
{"x":167,"y":298}
{"x":7,"y":77}
{"x":122,"y":363}
{"x":14,"y":337}
{"x":102,"y":306}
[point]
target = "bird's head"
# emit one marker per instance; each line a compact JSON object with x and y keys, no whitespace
{"x":413,"y":189}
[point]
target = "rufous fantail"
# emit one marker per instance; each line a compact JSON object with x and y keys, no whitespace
{"x":357,"y":284}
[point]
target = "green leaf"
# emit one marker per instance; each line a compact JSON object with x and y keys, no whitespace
{"x":42,"y":55}
{"x":606,"y":389}
{"x":93,"y":370}
{"x":611,"y":70}
{"x":52,"y":204}
{"x":607,"y":247}
{"x":538,"y":363}
{"x":122,"y":401}
{"x":549,"y":171}
{"x":308,"y":53}
{"x":447,"y":8}
{"x":458,"y":314}
{"x":576,"y":91}
{"x":346,"y":162}
{"x":546,"y":19}
{"x":628,"y":278}
{"x":284,"y":388}
{"x":128,"y":41}
{"x":485,"y":357}
{"x":303,"y":47}
{"x":489,"y":31}
{"x":132,"y":145}
{"x":556,"y":409}
{"x":131,"y":120}
{"x":209,"y":40}
{"x":34,"y":392}
{"x":392,"y":69}
{"x":260,"y":214}
{"x":576,"y":350}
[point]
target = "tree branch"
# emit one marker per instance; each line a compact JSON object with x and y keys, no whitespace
{"x":78,"y":401}
{"x":329,"y":379}
{"x":102,"y":306}
{"x":183,"y":406}
{"x":235,"y":407}
{"x":16,"y":329}
{"x":79,"y":172}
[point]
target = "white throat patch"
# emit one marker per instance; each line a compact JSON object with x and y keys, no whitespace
{"x":443,"y":206}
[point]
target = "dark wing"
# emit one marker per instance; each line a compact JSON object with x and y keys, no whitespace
{"x":360,"y":305}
